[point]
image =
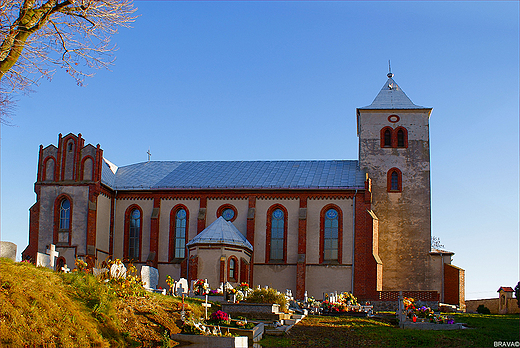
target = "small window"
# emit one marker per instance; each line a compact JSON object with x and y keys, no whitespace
{"x":232,"y":269}
{"x":228,"y":214}
{"x":394,"y":178}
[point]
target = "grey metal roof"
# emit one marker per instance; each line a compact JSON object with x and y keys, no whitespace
{"x":392,"y":96}
{"x":323,"y":174}
{"x":221,"y":232}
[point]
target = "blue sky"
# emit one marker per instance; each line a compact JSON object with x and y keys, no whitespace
{"x":281,"y":80}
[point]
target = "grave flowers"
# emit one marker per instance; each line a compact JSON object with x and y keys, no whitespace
{"x":201,"y":288}
{"x":219,"y":317}
{"x":424,"y":313}
{"x":171,"y":284}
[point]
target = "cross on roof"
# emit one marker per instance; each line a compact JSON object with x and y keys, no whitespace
{"x":149,"y":154}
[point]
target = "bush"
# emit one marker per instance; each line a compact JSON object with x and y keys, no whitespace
{"x":267,"y":296}
{"x":481,"y":309}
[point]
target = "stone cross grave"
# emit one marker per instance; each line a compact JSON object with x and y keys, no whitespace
{"x":99,"y":271}
{"x":401,"y":312}
{"x":206,"y":305}
{"x":65,"y":269}
{"x":150,"y":277}
{"x":181,"y":287}
{"x":48,"y":259}
{"x":118,"y":270}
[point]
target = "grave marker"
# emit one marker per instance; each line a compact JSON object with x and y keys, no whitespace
{"x":118,"y":270}
{"x":150,"y":277}
{"x":8,"y":250}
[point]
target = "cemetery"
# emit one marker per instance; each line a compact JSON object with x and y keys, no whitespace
{"x":237,"y":315}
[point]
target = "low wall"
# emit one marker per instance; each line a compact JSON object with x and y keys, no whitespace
{"x":492,"y":304}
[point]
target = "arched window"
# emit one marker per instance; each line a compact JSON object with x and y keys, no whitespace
{"x":49,"y":169}
{"x":402,"y":137}
{"x":331,"y":234}
{"x":387,"y":137}
{"x":276,"y":234}
{"x":394,"y":180}
{"x":232,"y":269}
{"x":180,"y":234}
{"x":133,"y":238}
{"x":133,"y":233}
{"x":64,"y":224}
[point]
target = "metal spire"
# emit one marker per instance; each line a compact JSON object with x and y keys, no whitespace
{"x":390,"y":75}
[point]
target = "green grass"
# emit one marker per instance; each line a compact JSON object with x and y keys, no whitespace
{"x":363,"y":332}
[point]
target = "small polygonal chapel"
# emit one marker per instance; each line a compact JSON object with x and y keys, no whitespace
{"x":311,"y":226}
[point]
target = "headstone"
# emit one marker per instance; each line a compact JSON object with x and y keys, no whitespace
{"x":118,"y":270}
{"x":8,"y":250}
{"x":305,"y":297}
{"x":192,"y":288}
{"x":43,"y":260}
{"x":65,"y":269}
{"x":401,"y":313}
{"x":181,"y":287}
{"x":150,"y":277}
{"x":221,"y":288}
{"x":98,"y":271}
{"x":53,"y":254}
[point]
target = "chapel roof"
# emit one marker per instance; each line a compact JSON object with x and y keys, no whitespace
{"x":221,"y":232}
{"x":506,"y":289}
{"x":392,"y":96}
{"x":157,"y":175}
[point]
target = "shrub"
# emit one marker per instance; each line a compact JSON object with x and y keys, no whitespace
{"x":481,"y":309}
{"x":267,"y":296}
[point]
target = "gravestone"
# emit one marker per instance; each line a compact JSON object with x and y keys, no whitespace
{"x":49,"y":259}
{"x":118,"y":270}
{"x":99,"y":271}
{"x":8,"y":250}
{"x":150,"y":277}
{"x":43,"y":260}
{"x":53,"y":254}
{"x":181,"y":287}
{"x":65,"y":269}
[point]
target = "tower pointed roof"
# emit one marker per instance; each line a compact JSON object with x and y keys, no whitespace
{"x":392,"y":96}
{"x":221,"y":232}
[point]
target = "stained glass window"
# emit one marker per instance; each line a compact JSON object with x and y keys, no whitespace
{"x":277,"y":234}
{"x":134,"y":231}
{"x":180,"y":233}
{"x":330,"y":235}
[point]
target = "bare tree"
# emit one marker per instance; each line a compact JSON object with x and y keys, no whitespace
{"x":38,"y":35}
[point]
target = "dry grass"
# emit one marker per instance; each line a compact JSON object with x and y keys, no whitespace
{"x":41,"y":308}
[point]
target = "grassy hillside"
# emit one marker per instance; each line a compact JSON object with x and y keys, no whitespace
{"x":39,"y":307}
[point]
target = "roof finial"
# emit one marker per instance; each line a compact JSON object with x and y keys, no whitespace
{"x":149,"y":154}
{"x":390,"y":75}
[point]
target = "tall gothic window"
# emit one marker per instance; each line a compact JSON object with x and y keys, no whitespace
{"x":180,"y":234}
{"x":276,"y":235}
{"x":232,"y":269}
{"x":388,"y":138}
{"x":133,"y":235}
{"x":330,"y":235}
{"x":64,"y":223}
{"x":400,"y":138}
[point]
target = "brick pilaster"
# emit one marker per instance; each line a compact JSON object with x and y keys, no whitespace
{"x":201,"y":220}
{"x":154,"y":229}
{"x":302,"y":249}
{"x":251,"y":214}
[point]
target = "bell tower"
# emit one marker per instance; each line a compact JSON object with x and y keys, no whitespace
{"x":394,"y":150}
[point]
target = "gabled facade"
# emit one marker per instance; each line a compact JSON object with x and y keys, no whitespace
{"x":317,"y":226}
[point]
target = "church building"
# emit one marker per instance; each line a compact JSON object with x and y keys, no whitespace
{"x":362,"y":225}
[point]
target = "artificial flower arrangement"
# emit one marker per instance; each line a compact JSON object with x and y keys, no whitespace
{"x":201,"y":287}
{"x":343,"y":303}
{"x":424,"y":313}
